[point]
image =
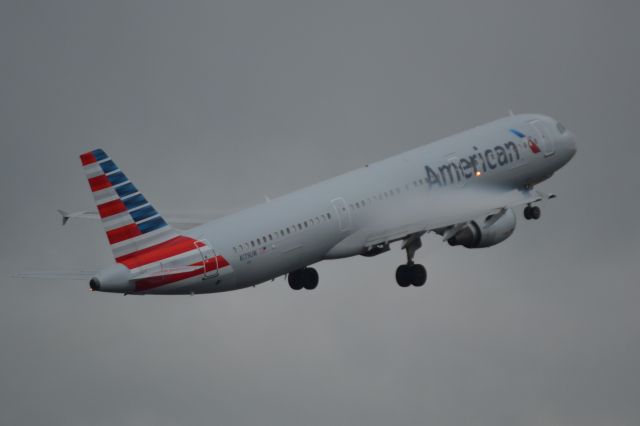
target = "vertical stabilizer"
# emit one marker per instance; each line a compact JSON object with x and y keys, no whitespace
{"x":130,"y":221}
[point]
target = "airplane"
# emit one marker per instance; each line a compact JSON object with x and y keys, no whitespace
{"x":463,"y":188}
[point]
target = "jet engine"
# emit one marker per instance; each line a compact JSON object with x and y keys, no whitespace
{"x":485,"y":232}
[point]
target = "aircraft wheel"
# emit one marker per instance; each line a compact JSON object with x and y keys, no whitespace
{"x":310,"y":278}
{"x":527,"y":213}
{"x":294,"y":280}
{"x":535,"y":212}
{"x":403,"y":275}
{"x":418,"y":275}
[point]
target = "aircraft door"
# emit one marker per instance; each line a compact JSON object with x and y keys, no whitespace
{"x":209,"y":258}
{"x":542,"y":137}
{"x":344,"y":216}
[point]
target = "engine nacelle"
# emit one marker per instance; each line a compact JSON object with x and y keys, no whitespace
{"x":477,"y":234}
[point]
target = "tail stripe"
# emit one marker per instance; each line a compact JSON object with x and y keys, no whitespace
{"x":123,"y":233}
{"x":116,"y":221}
{"x":117,"y":178}
{"x":88,"y":158}
{"x":143,"y":213}
{"x":133,"y":246}
{"x":99,"y":182}
{"x":126,"y":189}
{"x":112,"y":207}
{"x":92,"y":170}
{"x":99,"y":154}
{"x":152,"y":224}
{"x":134,"y":201}
{"x":108,"y":166}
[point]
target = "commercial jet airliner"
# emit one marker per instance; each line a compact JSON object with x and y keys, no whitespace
{"x":463,"y":188}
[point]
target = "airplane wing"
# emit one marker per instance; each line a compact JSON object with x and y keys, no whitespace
{"x":180,"y":221}
{"x":450,"y":211}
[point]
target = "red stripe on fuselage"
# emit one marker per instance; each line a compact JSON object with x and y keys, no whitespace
{"x":88,"y":158}
{"x":99,"y":182}
{"x":123,"y":233}
{"x":146,"y":284}
{"x":110,"y":208}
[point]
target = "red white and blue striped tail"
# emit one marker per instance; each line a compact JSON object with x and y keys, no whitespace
{"x":130,"y":221}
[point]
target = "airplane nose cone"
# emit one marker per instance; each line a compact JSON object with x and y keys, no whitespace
{"x":571,"y":142}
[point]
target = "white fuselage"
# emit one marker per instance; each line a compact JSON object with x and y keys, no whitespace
{"x":378,"y":203}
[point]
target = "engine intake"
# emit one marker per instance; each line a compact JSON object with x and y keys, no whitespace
{"x":478,"y":234}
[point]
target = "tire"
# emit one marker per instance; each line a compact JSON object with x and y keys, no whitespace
{"x":418,"y":275}
{"x":294,"y":280}
{"x":403,"y":276}
{"x":310,"y":278}
{"x":535,"y":213}
{"x":527,"y":213}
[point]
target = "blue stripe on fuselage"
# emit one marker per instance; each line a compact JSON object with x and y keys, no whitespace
{"x":517,"y":133}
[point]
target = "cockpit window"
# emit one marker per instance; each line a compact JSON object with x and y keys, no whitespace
{"x":561,"y":128}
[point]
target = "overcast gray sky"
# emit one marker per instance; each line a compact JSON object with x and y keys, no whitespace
{"x":208,"y":106}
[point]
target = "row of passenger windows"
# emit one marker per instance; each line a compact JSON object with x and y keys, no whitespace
{"x":261,"y":241}
{"x":385,"y":195}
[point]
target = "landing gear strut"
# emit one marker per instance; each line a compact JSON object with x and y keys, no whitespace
{"x":303,"y":278}
{"x":411,"y":273}
{"x":532,"y":212}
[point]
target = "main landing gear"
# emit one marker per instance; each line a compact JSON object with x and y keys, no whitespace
{"x":532,"y":212}
{"x":303,"y":278}
{"x":411,"y":273}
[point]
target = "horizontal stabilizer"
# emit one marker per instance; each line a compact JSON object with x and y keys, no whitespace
{"x":57,"y":275}
{"x":176,"y":220}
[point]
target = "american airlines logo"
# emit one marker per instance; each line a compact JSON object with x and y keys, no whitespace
{"x":479,"y":162}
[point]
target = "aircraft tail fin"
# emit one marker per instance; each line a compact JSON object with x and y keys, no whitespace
{"x":130,"y":221}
